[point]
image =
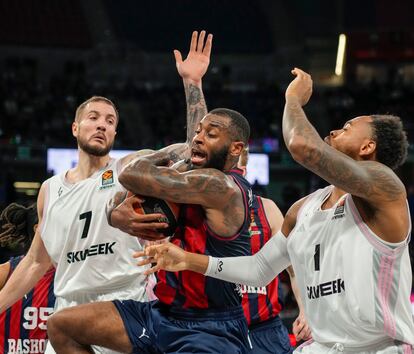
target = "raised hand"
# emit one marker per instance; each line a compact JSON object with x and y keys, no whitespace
{"x":165,"y":256}
{"x":300,"y":88}
{"x":195,"y":65}
{"x":124,"y":217}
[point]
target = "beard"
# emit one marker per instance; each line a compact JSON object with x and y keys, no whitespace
{"x":94,"y":150}
{"x":218,"y":159}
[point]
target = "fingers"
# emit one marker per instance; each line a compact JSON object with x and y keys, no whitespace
{"x":147,"y":218}
{"x":197,"y":45}
{"x":193,"y":44}
{"x":200,"y":43}
{"x":208,"y":45}
{"x":301,"y":74}
{"x":134,"y":199}
{"x":178,"y":57}
{"x":300,"y":329}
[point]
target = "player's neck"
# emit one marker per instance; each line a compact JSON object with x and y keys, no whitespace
{"x":87,"y":166}
{"x":336,"y":193}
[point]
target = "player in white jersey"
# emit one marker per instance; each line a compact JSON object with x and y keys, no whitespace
{"x":347,"y":243}
{"x":93,"y":260}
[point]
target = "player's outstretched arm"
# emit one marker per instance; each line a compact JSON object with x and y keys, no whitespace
{"x":369,"y":180}
{"x":192,"y":70}
{"x":256,"y":270}
{"x":29,"y":271}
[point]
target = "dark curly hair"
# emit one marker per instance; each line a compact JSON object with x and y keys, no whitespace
{"x":17,"y":226}
{"x":391,"y":140}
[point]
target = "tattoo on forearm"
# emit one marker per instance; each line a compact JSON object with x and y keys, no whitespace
{"x":196,"y":108}
{"x":362,"y":178}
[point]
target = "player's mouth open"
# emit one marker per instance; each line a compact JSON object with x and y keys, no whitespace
{"x":197,"y":157}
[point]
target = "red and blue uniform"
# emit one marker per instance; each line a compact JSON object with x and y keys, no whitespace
{"x":262,"y":305}
{"x":23,"y":325}
{"x":192,"y":290}
{"x":194,"y":313}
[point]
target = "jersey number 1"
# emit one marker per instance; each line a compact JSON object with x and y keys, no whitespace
{"x":317,"y":257}
{"x":88,"y":216}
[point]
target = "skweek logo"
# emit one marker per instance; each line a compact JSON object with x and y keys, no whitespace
{"x":107,"y":179}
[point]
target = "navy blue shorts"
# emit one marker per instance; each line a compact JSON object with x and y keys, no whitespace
{"x":270,"y":337}
{"x":156,"y":328}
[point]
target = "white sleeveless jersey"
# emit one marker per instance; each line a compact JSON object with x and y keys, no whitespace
{"x":90,"y":255}
{"x":355,"y":287}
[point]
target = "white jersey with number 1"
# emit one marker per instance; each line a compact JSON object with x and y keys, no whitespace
{"x":355,"y":286}
{"x":92,"y":258}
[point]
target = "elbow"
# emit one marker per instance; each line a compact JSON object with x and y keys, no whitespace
{"x":129,"y":180}
{"x":300,"y":150}
{"x":296,"y":147}
{"x":124,"y":177}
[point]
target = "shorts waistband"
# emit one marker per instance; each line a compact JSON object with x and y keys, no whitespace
{"x":269,"y":323}
{"x":339,"y":347}
{"x":231,"y":313}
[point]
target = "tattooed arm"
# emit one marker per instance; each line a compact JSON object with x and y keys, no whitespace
{"x":378,"y":193}
{"x":192,"y":70}
{"x":369,"y":180}
{"x":208,"y":187}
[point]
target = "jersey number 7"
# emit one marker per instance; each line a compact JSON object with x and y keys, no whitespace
{"x":88,"y":216}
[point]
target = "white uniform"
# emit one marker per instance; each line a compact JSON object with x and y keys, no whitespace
{"x":93,"y":260}
{"x":355,"y":286}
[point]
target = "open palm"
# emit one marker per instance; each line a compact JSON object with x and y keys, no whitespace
{"x":195,"y":65}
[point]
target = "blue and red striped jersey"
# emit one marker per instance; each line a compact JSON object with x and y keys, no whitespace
{"x":192,"y":290}
{"x":23,"y":325}
{"x":260,"y":303}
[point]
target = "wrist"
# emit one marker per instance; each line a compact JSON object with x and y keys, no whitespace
{"x":188,"y":81}
{"x":292,"y":99}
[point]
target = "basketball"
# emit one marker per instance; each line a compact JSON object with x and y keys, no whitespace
{"x":153,"y":205}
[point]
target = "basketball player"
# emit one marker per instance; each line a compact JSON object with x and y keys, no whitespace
{"x":93,"y":260}
{"x":262,"y":305}
{"x":347,"y":243}
{"x":23,"y":326}
{"x":194,"y":313}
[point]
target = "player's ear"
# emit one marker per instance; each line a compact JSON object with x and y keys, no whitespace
{"x":236,"y":148}
{"x":75,"y":128}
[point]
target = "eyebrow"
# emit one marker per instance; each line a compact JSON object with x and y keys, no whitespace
{"x":96,"y":112}
{"x":216,"y":124}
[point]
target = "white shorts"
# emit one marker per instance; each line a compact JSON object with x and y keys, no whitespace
{"x":133,"y":290}
{"x":386,"y":347}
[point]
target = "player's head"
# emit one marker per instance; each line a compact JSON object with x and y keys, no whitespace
{"x":220,"y":139}
{"x":95,"y":125}
{"x":375,"y":137}
{"x":18,"y":226}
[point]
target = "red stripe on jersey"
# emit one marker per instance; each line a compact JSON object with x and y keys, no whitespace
{"x":163,"y":291}
{"x":193,"y":283}
{"x":2,"y":329}
{"x":16,"y":314}
{"x":259,"y":307}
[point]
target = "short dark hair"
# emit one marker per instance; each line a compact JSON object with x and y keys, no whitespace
{"x":391,"y":140}
{"x":82,"y":106}
{"x":240,"y":128}
{"x":17,"y":226}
